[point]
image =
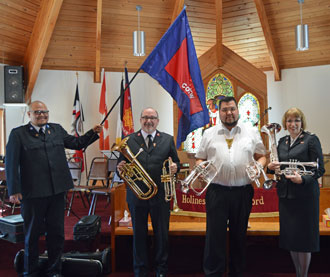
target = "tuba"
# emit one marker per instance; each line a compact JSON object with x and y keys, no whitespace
{"x":133,"y":172}
{"x":204,"y":171}
{"x":169,"y":181}
{"x":271,"y":129}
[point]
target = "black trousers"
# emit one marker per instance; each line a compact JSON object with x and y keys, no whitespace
{"x":160,"y":216}
{"x":226,"y":206}
{"x":47,"y":212}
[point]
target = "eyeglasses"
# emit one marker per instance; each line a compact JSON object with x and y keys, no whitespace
{"x":149,"y":117}
{"x":293,"y":121}
{"x":40,"y":112}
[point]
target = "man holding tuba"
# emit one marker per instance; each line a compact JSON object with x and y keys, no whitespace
{"x":230,"y":146}
{"x":157,"y":147}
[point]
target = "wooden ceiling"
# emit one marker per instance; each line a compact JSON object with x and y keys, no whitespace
{"x":94,"y":34}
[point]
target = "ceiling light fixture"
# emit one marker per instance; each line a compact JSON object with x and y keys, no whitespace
{"x":138,"y":38}
{"x":302,"y":42}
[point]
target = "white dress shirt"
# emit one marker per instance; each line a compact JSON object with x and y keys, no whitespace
{"x":145,"y":136}
{"x":231,"y":163}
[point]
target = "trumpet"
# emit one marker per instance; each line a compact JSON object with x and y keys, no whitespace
{"x":205,"y":171}
{"x":133,"y":172}
{"x":254,"y":170}
{"x":169,"y":181}
{"x":293,"y":166}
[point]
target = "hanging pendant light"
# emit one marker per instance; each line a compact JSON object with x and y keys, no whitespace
{"x":138,"y":38}
{"x":302,"y":41}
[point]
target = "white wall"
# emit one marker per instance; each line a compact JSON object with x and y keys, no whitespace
{"x":57,"y":90}
{"x":308,"y":89}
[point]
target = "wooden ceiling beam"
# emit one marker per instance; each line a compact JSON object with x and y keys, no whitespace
{"x":39,"y":40}
{"x":97,"y":72}
{"x":218,"y":31}
{"x":178,"y":6}
{"x":268,"y":37}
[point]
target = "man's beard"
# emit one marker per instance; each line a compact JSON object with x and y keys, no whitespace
{"x":231,"y":124}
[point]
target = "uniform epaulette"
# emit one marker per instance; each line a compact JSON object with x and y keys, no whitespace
{"x":311,"y":134}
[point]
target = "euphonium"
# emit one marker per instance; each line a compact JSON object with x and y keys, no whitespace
{"x":205,"y":171}
{"x":133,"y":172}
{"x":169,"y":181}
{"x":271,"y":129}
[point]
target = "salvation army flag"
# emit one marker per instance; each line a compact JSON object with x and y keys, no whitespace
{"x":77,"y":124}
{"x":174,"y":64}
{"x":104,"y":141}
{"x":125,"y":125}
{"x":126,"y":108}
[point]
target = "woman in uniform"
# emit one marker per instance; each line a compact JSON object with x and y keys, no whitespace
{"x":299,"y":194}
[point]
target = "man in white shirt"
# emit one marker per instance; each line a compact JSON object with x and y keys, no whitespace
{"x":231,"y":146}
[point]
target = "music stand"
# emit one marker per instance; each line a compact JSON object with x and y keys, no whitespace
{"x":113,"y":157}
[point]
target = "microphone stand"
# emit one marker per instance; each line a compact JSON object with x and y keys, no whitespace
{"x":262,"y":116}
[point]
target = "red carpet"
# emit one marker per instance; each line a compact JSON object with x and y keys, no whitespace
{"x":265,"y":259}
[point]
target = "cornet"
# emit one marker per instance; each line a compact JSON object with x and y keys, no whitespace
{"x":254,"y":171}
{"x":169,"y":181}
{"x":205,"y":171}
{"x":133,"y":172}
{"x":293,"y":166}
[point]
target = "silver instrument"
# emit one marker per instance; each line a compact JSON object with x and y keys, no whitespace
{"x":293,"y":166}
{"x":271,"y":129}
{"x":205,"y":172}
{"x":254,"y":171}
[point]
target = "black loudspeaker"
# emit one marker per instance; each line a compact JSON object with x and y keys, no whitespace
{"x":14,"y":84}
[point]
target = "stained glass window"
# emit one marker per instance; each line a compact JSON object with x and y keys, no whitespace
{"x":249,"y":109}
{"x":218,"y":87}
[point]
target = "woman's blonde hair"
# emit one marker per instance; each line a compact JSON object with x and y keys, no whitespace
{"x":295,"y":112}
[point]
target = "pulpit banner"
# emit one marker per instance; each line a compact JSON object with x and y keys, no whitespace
{"x":264,"y":203}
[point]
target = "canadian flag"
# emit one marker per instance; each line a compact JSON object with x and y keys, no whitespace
{"x":104,"y":135}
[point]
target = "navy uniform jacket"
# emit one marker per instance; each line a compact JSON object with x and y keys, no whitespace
{"x":152,"y":161}
{"x":36,"y":166}
{"x":306,"y":148}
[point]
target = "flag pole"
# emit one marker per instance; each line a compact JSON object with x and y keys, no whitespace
{"x":82,"y":129}
{"x":120,"y":95}
{"x":113,"y":106}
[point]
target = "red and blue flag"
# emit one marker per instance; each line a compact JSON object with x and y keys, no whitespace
{"x":174,"y":64}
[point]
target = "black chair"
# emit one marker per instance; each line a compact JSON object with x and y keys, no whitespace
{"x":75,"y":166}
{"x":4,"y":200}
{"x":104,"y":172}
{"x":3,"y":187}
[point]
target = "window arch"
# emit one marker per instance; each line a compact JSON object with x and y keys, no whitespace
{"x":218,"y":87}
{"x":249,"y":109}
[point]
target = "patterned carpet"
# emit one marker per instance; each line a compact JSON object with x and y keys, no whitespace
{"x":265,"y":259}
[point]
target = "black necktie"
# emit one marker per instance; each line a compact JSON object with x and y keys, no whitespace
{"x":149,"y":141}
{"x":41,"y":133}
